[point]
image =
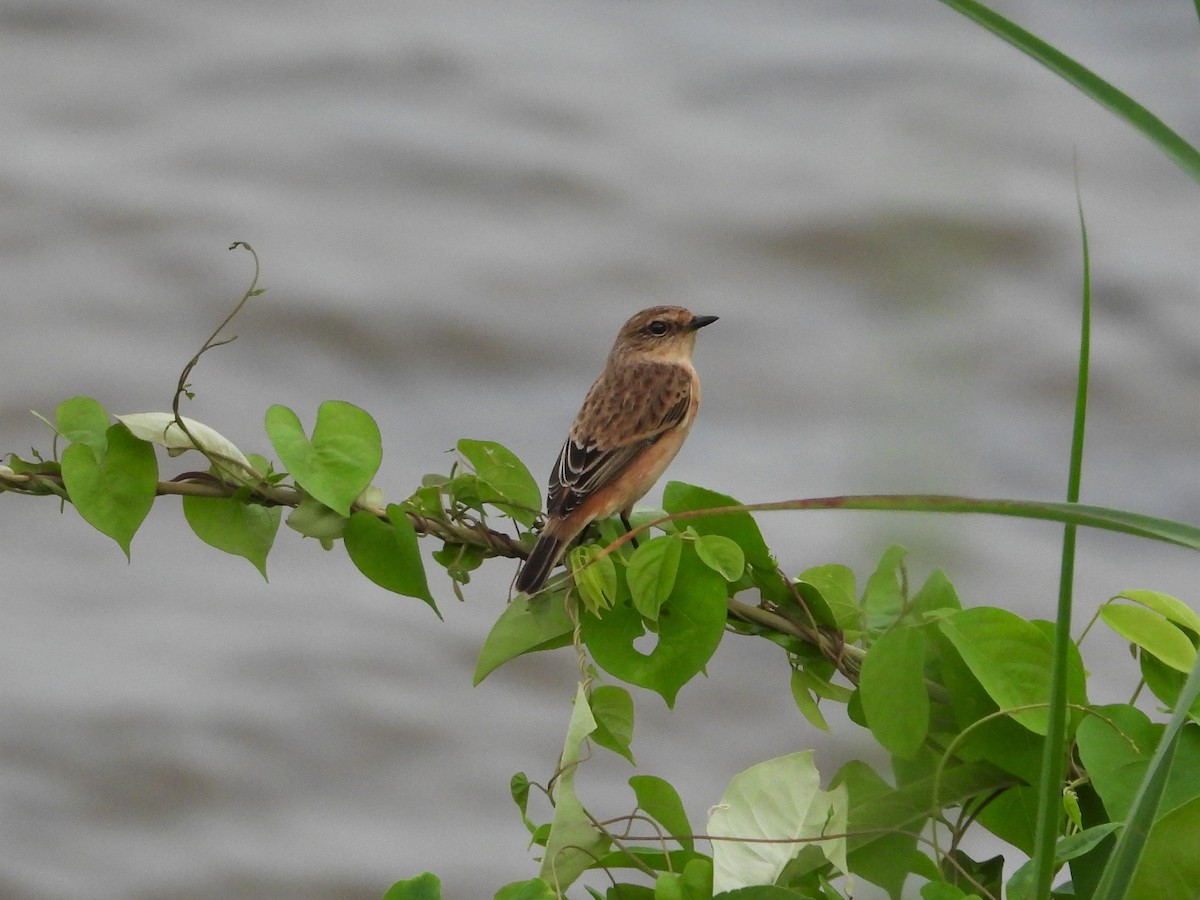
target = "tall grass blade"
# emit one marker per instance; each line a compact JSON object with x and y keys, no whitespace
{"x":1123,"y":521}
{"x":1054,"y":752}
{"x":1183,"y":154}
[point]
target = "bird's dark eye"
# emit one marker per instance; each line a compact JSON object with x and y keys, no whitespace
{"x":657,"y":328}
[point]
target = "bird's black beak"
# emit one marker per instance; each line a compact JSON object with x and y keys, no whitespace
{"x":700,"y":321}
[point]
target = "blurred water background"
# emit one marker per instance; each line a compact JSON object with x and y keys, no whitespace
{"x":455,"y":206}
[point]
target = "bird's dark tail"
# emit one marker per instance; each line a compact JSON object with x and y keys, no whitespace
{"x":543,"y":558}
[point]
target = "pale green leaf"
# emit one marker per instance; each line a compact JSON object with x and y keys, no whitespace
{"x":1152,"y":633}
{"x":314,"y":519}
{"x":781,"y":800}
{"x":574,"y":842}
{"x":1175,"y":610}
{"x":162,"y":429}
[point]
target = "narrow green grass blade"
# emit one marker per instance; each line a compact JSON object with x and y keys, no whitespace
{"x":1054,"y":753}
{"x":1122,"y":865}
{"x":1119,"y":103}
{"x":1179,"y":533}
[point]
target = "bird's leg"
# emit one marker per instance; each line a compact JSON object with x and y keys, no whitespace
{"x":628,"y":528}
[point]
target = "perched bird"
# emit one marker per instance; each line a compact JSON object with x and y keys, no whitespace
{"x":631,"y":425}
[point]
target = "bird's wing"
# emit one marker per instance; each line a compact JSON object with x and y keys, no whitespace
{"x":618,"y":421}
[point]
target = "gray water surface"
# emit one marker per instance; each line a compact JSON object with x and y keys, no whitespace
{"x":456,"y":205}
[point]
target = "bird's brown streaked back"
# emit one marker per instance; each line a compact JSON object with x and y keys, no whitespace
{"x":632,"y":423}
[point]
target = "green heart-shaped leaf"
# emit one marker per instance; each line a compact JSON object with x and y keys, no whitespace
{"x":527,"y":624}
{"x":722,"y":555}
{"x":836,"y":602}
{"x":894,"y":697}
{"x":387,"y":553}
{"x":883,"y":598}
{"x":506,"y":475}
{"x":81,"y":420}
{"x":613,"y":709}
{"x":739,"y":527}
{"x":690,"y":625}
{"x":660,"y":801}
{"x":244,"y":529}
{"x":341,"y":459}
{"x":1010,"y":658}
{"x":534,"y":889}
{"x":113,"y":492}
{"x":423,"y":887}
{"x":651,"y":573}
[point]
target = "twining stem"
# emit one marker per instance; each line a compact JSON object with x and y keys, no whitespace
{"x":181,"y":389}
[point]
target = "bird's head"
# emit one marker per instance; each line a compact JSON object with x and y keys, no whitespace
{"x":666,"y":333}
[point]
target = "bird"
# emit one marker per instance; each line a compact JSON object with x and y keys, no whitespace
{"x":632,"y":423}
